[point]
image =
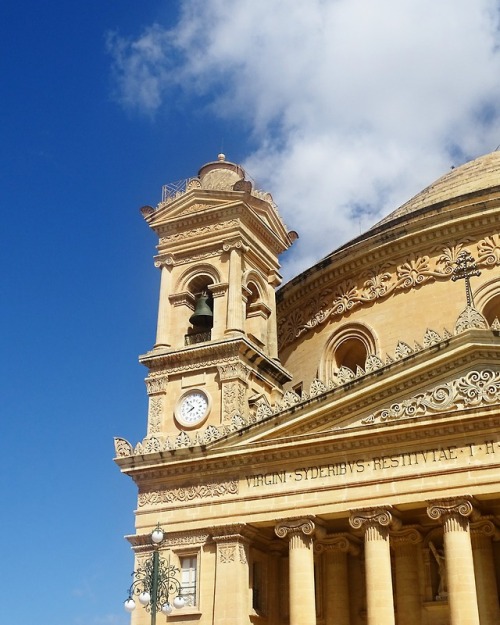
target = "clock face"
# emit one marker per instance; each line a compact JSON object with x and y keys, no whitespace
{"x":192,"y":408}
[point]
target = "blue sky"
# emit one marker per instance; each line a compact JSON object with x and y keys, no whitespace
{"x":340,"y":111}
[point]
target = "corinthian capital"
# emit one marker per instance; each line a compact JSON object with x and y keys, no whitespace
{"x":294,"y":526}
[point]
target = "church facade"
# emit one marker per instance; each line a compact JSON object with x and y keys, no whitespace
{"x":325,"y":453}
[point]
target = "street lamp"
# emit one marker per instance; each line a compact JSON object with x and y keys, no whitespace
{"x":155,"y":582}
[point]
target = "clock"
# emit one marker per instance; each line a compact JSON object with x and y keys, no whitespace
{"x":192,"y":408}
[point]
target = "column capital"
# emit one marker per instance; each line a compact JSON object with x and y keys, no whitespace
{"x":485,"y":527}
{"x":340,"y":542}
{"x":163,"y":260}
{"x":235,"y":244}
{"x":369,"y":517}
{"x":405,"y":536}
{"x":289,"y":527}
{"x":458,"y":507}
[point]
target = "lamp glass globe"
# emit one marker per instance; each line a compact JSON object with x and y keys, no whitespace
{"x":157,"y":535}
{"x":144,"y":598}
{"x":166,"y":608}
{"x":179,"y":602}
{"x":129,"y":605}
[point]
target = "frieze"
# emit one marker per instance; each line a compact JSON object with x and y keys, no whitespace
{"x":203,"y":491}
{"x":471,"y":390}
{"x":202,"y":230}
{"x":379,"y":283}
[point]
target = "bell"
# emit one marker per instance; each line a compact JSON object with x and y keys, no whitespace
{"x":203,"y":315}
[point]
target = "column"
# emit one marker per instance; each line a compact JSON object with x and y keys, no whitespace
{"x":232,"y":598}
{"x":162,"y":329}
{"x":482,"y":533}
{"x":337,"y":601}
{"x":462,"y":599}
{"x":375,"y":523}
{"x":408,"y":599}
{"x":301,"y":564}
{"x":272,"y":326}
{"x":234,"y":295}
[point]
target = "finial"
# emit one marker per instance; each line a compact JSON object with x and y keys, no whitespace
{"x":221,"y":157}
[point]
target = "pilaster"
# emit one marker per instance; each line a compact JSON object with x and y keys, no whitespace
{"x":405,"y":544}
{"x":482,"y":533}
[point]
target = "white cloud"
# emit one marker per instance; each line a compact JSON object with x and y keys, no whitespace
{"x":354,"y":105}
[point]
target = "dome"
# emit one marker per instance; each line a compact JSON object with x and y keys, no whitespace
{"x":478,"y":175}
{"x":220,"y":175}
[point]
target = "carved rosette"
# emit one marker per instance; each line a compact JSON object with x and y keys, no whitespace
{"x":454,"y":513}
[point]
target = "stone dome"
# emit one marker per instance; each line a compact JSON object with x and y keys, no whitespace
{"x":220,"y":175}
{"x":481,"y":174}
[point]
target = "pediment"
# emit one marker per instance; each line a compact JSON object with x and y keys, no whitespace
{"x":462,"y":379}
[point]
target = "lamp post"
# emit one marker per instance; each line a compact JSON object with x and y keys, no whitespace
{"x":155,"y":582}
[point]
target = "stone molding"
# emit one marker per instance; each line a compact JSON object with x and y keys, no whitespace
{"x":203,"y":491}
{"x":378,"y":283}
{"x":474,"y":389}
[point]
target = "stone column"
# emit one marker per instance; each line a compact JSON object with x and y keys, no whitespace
{"x":232,"y":596}
{"x":482,"y":533}
{"x":462,"y":599}
{"x":408,"y":599}
{"x":375,"y":523}
{"x":336,"y":548}
{"x":218,"y":292}
{"x":301,"y":566}
{"x":235,"y":318}
{"x":162,"y":328}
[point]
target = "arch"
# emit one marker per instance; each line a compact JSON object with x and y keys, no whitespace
{"x":257,"y":310}
{"x":487,"y":300}
{"x":253,"y":277}
{"x":194,"y":276}
{"x":349,"y":346}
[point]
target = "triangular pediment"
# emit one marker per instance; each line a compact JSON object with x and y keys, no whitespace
{"x":461,"y":379}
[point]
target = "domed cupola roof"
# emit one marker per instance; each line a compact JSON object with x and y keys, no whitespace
{"x":481,"y":174}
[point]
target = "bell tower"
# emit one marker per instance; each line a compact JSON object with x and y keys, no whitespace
{"x":216,"y":343}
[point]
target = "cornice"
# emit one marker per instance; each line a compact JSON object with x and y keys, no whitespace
{"x":338,"y":293}
{"x":391,"y":246}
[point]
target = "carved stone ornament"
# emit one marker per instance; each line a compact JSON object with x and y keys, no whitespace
{"x":470,"y":319}
{"x":123,"y":448}
{"x":156,"y":383}
{"x":405,"y":536}
{"x":377,"y":283}
{"x":214,"y":490}
{"x":371,"y":516}
{"x":233,"y":370}
{"x":154,"y":415}
{"x":337,"y":542}
{"x":294,"y":526}
{"x":474,"y":389}
{"x":454,"y":506}
{"x":164,"y":260}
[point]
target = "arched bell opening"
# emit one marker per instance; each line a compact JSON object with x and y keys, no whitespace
{"x":257,"y":313}
{"x":201,"y":319}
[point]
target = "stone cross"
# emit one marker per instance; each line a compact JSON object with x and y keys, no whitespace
{"x":465,"y":268}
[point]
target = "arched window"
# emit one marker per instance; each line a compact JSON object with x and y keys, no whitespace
{"x":257,"y":311}
{"x":487,"y":300}
{"x":349,"y":346}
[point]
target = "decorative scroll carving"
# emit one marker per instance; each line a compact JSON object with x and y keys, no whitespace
{"x":123,"y":448}
{"x":164,"y":260}
{"x":227,"y":553}
{"x":406,"y":536}
{"x":233,"y":399}
{"x":431,"y":337}
{"x":232,"y":370}
{"x":372,"y":516}
{"x":470,"y":319}
{"x":294,"y":526}
{"x":155,"y":414}
{"x":203,"y":491}
{"x":337,"y":542}
{"x":156,"y":383}
{"x":202,"y":230}
{"x":473,"y":389}
{"x":454,"y":506}
{"x":379,"y":283}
